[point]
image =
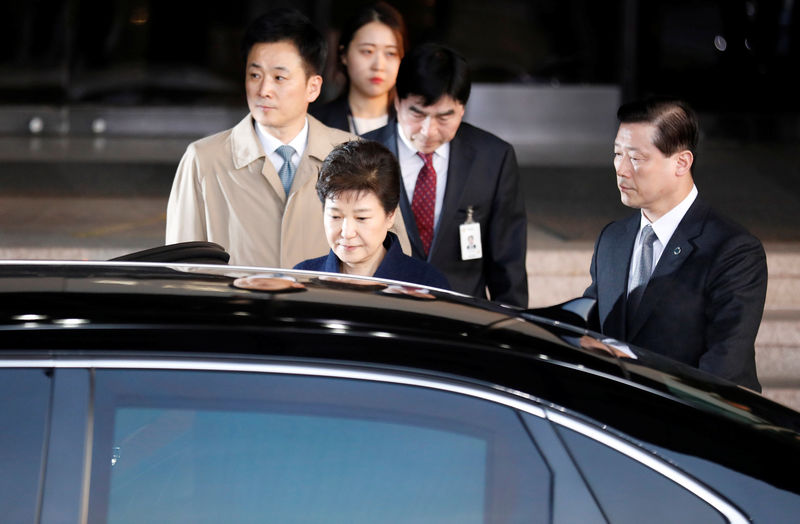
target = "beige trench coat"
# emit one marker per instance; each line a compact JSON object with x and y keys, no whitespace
{"x":225,"y":191}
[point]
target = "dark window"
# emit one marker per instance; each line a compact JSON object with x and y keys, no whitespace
{"x":24,"y":400}
{"x":176,"y":446}
{"x":629,"y":491}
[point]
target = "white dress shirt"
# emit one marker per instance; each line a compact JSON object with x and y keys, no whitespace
{"x":271,"y":144}
{"x":664,"y":227}
{"x":410,"y":165}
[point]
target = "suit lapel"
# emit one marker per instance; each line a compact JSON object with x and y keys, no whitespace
{"x":462,"y":155}
{"x":410,"y":223}
{"x":676,"y":253}
{"x":616,"y":271}
{"x":389,"y":138}
{"x":246,"y":149}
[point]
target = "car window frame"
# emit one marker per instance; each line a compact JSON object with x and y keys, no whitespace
{"x":514,"y":399}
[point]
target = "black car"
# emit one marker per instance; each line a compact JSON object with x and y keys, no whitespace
{"x":136,"y":392}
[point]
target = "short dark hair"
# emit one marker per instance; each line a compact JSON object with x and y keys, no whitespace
{"x":675,"y":121}
{"x":362,"y":166}
{"x":433,"y":71}
{"x":286,"y":24}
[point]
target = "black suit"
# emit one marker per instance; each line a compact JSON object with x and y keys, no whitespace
{"x":482,"y":173}
{"x":704,"y":301}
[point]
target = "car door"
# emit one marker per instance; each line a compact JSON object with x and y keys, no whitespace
{"x":212,"y":442}
{"x":154,"y":440}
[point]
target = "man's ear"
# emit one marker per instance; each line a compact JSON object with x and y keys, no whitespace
{"x":683,"y":162}
{"x":313,"y":88}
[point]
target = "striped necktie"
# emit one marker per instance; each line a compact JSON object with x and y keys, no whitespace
{"x":286,"y":172}
{"x":644,"y":269}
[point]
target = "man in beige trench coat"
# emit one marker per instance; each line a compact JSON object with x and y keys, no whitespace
{"x":242,"y":188}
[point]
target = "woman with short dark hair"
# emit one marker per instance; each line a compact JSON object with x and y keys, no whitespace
{"x":359,"y":187}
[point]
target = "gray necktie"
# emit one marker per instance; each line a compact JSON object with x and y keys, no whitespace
{"x":286,"y":172}
{"x":641,"y":274}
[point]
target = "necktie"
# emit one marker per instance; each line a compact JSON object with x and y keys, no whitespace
{"x":423,"y":202}
{"x":287,"y":170}
{"x":644,"y":269}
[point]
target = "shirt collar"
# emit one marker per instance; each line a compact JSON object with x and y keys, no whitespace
{"x":665,"y":226}
{"x":270,"y":143}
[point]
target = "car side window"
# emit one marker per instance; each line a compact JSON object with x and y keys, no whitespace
{"x":189,"y":446}
{"x":631,"y":492}
{"x":24,"y":407}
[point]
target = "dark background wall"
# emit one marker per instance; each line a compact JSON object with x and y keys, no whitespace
{"x":736,"y":59}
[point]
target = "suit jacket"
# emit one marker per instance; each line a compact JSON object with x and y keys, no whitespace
{"x":226,"y":191}
{"x":395,"y":266}
{"x":704,"y":301}
{"x":482,"y":173}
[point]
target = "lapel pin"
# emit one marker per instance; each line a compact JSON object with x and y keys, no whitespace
{"x":677,"y":251}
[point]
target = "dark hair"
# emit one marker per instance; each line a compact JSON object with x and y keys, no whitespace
{"x":362,"y":166}
{"x":675,"y":121}
{"x":376,"y":12}
{"x":433,"y":71}
{"x":380,"y":12}
{"x":285,"y":24}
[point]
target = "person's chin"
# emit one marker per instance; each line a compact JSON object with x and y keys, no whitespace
{"x":627,"y":200}
{"x":267,"y":118}
{"x":375,"y":89}
{"x":426,"y":148}
{"x":349,"y":255}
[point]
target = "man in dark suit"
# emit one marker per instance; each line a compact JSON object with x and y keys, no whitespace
{"x":676,"y":277}
{"x":458,"y":181}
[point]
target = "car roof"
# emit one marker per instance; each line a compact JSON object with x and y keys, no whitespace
{"x":232,"y":303}
{"x":52,"y":295}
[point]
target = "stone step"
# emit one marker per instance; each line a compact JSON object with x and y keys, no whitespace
{"x":783,"y":260}
{"x":778,"y":355}
{"x":556,"y":275}
{"x":789,"y":397}
{"x":778,"y":366}
{"x":780,"y":328}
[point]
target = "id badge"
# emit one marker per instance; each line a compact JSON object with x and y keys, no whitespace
{"x":470,"y":233}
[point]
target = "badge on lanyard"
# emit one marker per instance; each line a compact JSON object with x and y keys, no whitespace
{"x":470,"y":232}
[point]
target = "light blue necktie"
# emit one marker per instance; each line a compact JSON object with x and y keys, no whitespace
{"x":287,"y":170}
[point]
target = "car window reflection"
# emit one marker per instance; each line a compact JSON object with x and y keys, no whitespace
{"x":185,"y":446}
